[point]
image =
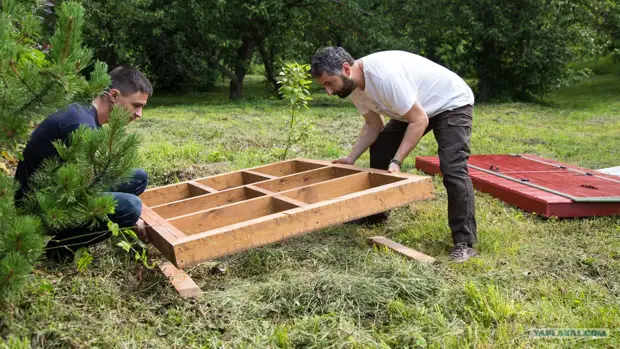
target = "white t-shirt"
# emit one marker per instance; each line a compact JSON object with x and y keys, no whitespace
{"x":395,"y":80}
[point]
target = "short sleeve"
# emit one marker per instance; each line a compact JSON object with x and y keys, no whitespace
{"x":398,"y":93}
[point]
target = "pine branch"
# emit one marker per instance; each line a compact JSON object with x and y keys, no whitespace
{"x":66,"y":46}
{"x":19,"y":77}
{"x":37,"y":99}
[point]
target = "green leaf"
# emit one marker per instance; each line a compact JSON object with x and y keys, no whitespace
{"x":124,"y":245}
{"x":83,"y":259}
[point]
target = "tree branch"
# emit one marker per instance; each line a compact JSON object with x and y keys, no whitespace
{"x":223,"y":69}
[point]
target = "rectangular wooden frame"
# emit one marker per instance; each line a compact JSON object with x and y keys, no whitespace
{"x":207,"y":218}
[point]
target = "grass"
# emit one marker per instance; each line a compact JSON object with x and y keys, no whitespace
{"x":329,"y":289}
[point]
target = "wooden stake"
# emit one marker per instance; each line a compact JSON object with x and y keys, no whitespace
{"x":401,"y":249}
{"x":182,"y":282}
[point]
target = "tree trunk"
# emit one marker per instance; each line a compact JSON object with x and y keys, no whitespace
{"x":268,"y":63}
{"x":244,"y":57}
{"x":486,"y":71}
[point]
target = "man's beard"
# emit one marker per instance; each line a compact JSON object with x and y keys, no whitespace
{"x":348,"y":86}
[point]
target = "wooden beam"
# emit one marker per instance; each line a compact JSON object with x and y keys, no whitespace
{"x":201,"y":187}
{"x":229,"y":214}
{"x":286,"y":168}
{"x":304,"y":179}
{"x":205,"y":202}
{"x":290,"y":201}
{"x":330,"y":189}
{"x":259,"y":175}
{"x":186,"y":287}
{"x":401,"y":249}
{"x":161,"y":233}
{"x":232,"y":180}
{"x":173,"y":192}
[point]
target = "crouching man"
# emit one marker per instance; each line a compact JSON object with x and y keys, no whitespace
{"x":130,"y":89}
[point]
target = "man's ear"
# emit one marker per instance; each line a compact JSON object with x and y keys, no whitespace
{"x":346,"y":69}
{"x":114,"y":93}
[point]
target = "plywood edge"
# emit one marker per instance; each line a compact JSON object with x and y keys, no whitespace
{"x":401,"y":249}
{"x":185,"y":286}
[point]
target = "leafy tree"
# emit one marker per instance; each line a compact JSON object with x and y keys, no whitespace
{"x":295,"y":81}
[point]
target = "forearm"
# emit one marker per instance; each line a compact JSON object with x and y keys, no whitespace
{"x":367,"y":137}
{"x":413,"y":134}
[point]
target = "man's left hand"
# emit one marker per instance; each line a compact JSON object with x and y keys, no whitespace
{"x":394,"y":168}
{"x":142,"y":233}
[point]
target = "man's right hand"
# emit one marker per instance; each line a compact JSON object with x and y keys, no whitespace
{"x":347,"y":160}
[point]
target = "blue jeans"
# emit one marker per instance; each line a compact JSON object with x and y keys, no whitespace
{"x":126,"y":213}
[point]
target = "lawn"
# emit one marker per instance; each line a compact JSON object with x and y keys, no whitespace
{"x":329,"y":289}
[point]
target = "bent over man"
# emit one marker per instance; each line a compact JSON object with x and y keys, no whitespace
{"x":418,"y":96}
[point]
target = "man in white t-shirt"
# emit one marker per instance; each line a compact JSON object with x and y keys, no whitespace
{"x":418,"y":96}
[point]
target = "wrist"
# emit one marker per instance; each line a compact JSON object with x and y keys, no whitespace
{"x":397,"y":162}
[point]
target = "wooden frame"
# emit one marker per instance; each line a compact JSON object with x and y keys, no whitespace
{"x":207,"y":218}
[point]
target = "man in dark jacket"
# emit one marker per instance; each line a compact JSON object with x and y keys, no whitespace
{"x":129,"y":89}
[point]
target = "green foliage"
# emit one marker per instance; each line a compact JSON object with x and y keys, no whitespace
{"x":130,"y":243}
{"x":171,"y":44}
{"x":295,"y":81}
{"x":32,"y":83}
{"x":82,"y":259}
{"x":516,"y":50}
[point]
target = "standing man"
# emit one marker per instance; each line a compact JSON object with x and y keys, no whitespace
{"x":418,"y":96}
{"x":130,"y":89}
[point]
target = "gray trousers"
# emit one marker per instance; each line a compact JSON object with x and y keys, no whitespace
{"x":452,"y":130}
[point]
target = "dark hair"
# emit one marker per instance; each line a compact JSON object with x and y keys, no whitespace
{"x":329,"y":60}
{"x":130,"y":81}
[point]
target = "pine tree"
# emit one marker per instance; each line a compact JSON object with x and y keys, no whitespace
{"x":38,"y":76}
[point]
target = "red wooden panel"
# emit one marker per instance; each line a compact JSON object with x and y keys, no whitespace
{"x":573,"y":183}
{"x":509,"y":164}
{"x":547,"y":174}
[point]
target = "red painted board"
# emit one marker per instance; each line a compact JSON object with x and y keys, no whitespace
{"x":548,"y":175}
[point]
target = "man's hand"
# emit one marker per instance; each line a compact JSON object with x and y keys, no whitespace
{"x":141,"y":230}
{"x":347,"y":160}
{"x":394,"y":168}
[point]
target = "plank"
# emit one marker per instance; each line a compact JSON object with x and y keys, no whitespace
{"x":198,"y":188}
{"x":286,"y":168}
{"x":538,"y":170}
{"x":204,"y":202}
{"x":229,"y":214}
{"x":173,"y":192}
{"x":401,"y":249}
{"x":305,"y":178}
{"x":185,"y":286}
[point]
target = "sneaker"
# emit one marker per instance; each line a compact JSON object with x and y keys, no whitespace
{"x":461,"y":252}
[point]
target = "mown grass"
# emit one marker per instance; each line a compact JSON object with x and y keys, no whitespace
{"x":329,"y":289}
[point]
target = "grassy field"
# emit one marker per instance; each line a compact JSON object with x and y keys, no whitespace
{"x":329,"y":289}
